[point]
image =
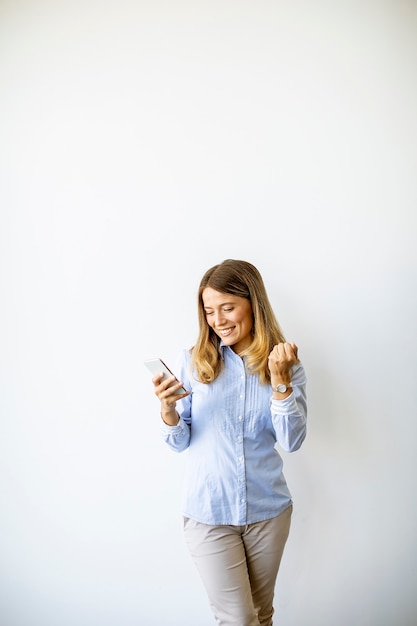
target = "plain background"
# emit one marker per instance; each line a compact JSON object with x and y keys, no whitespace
{"x":141,"y":143}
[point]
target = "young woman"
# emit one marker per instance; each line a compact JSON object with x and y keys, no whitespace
{"x":247,"y":394}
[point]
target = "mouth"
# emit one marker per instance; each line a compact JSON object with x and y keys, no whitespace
{"x":226,"y":332}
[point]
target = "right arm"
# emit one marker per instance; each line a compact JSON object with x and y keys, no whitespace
{"x":175,"y":429}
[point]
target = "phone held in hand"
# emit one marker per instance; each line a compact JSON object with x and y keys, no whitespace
{"x":156,"y":366}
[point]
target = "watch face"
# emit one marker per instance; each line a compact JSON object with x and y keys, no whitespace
{"x":281,"y":388}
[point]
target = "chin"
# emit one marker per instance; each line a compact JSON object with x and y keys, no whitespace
{"x":227,"y":342}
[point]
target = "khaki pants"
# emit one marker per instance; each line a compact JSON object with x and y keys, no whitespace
{"x":238,"y":566}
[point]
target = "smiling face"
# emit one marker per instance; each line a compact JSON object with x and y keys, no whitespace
{"x":230,"y":317}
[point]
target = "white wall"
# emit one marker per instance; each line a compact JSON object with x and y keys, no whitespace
{"x":141,"y":143}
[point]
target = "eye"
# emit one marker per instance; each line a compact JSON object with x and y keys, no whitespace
{"x":228,"y":309}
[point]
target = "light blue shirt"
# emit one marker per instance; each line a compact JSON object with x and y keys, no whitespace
{"x":230,"y":429}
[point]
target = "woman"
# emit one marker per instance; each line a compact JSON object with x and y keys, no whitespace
{"x":247,"y":393}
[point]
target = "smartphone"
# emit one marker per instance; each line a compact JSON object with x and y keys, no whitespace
{"x":156,"y":366}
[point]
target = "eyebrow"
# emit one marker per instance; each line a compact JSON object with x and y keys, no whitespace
{"x":222,"y":304}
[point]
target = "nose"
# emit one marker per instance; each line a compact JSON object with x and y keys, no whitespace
{"x":219,"y":318}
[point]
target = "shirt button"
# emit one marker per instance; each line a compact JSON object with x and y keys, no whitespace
{"x":240,"y":417}
{"x":242,"y":500}
{"x":241,"y":459}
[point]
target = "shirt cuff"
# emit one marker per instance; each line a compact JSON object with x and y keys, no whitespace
{"x":172,"y":430}
{"x":285,"y":406}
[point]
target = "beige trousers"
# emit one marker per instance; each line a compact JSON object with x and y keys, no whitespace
{"x":238,"y":566}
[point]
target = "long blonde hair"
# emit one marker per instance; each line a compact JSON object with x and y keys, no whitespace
{"x":238,"y":278}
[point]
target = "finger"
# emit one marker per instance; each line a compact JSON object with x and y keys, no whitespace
{"x":280,"y":350}
{"x":292,"y":350}
{"x":166,"y":381}
{"x":167,"y":387}
{"x":173,"y":389}
{"x":157,"y":379}
{"x":279,"y":355}
{"x":287,"y":352}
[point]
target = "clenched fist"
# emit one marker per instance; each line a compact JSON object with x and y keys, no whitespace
{"x":282,"y":358}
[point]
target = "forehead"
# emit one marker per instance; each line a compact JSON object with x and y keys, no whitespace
{"x":212,"y":298}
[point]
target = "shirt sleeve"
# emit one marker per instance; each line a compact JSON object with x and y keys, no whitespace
{"x":289,"y":416}
{"x":178,"y":437}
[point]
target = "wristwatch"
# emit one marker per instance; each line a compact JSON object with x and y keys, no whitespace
{"x":282,"y":388}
